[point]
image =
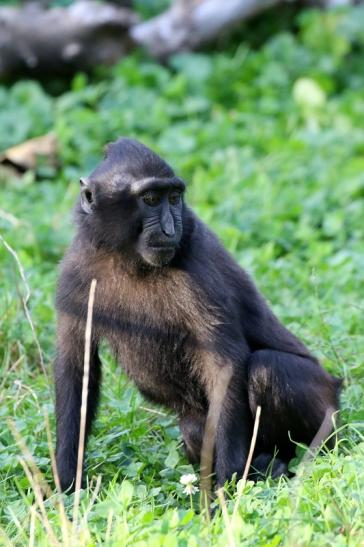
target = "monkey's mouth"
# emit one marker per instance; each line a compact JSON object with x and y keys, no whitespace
{"x":163,"y":247}
{"x":160,"y":255}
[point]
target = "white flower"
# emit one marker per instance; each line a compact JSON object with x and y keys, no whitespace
{"x":187,"y":481}
{"x":190,"y":489}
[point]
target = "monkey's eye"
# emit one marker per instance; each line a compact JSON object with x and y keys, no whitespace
{"x":152,"y":199}
{"x":174,"y":198}
{"x":88,"y":196}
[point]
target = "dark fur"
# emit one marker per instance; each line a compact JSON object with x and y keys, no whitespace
{"x":173,"y":327}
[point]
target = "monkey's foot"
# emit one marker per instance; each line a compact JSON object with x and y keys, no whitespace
{"x":267,"y":465}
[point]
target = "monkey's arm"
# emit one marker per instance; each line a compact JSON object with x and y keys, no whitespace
{"x":228,"y":425}
{"x":233,"y":433}
{"x":69,"y":366}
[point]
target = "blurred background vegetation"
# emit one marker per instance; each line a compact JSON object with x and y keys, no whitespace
{"x":267,"y":128}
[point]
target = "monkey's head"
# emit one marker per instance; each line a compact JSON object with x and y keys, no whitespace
{"x":133,"y":203}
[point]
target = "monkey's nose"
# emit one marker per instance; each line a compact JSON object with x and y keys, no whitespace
{"x":167,"y":225}
{"x":169,"y":231}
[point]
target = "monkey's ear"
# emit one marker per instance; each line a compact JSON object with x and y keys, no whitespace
{"x":106,"y":149}
{"x":87,"y":198}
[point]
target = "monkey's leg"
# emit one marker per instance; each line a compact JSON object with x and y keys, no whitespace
{"x":68,"y":377}
{"x":295,"y":394}
{"x":192,"y":425}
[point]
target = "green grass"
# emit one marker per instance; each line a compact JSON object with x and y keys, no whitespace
{"x":271,"y":143}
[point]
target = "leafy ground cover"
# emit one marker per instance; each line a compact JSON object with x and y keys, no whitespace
{"x":271,"y":142}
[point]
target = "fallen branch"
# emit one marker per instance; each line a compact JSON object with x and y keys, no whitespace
{"x":189,"y":24}
{"x":41,"y":42}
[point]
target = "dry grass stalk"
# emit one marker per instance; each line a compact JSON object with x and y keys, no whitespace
{"x":32,"y":526}
{"x":25,"y":300}
{"x":229,"y":530}
{"x":39,"y":501}
{"x":153,"y":411}
{"x":110,"y":517}
{"x":65,"y":523}
{"x":297,"y":484}
{"x":92,"y":500}
{"x":253,"y":442}
{"x":38,"y":481}
{"x":6,"y":374}
{"x":5,"y":539}
{"x":19,"y":526}
{"x":220,"y":491}
{"x":37,"y":474}
{"x":83,"y":410}
{"x":10,"y":218}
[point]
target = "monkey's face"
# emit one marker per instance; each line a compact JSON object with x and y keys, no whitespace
{"x":133,"y":202}
{"x":160,"y":207}
{"x":142,"y":218}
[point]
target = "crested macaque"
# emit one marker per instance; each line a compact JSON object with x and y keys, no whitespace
{"x":179,"y":315}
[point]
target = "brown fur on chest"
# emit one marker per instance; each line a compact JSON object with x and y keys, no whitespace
{"x":158,"y":327}
{"x":165,"y":297}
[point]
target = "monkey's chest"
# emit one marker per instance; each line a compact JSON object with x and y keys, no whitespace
{"x":161,"y":362}
{"x":157,"y":330}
